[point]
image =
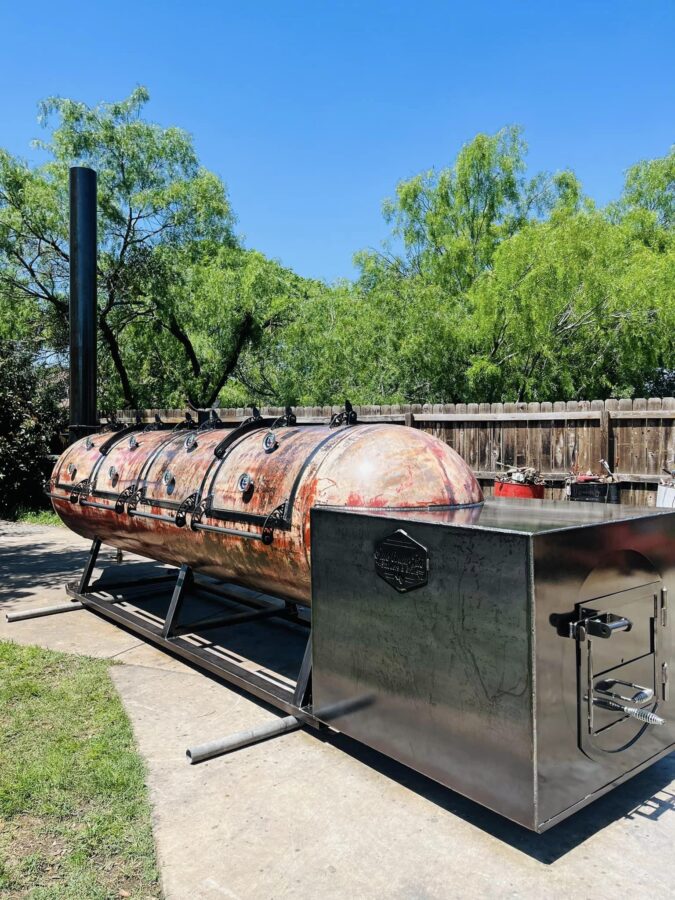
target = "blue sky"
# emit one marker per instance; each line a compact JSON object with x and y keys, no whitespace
{"x":312,"y":111}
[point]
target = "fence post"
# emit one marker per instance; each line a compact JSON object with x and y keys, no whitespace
{"x":607,"y":438}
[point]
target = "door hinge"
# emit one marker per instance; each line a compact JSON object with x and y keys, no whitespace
{"x":665,"y":687}
{"x":664,"y":606}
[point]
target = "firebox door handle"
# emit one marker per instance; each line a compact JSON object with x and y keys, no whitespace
{"x":642,"y":695}
{"x":642,"y":715}
{"x":605,"y":627}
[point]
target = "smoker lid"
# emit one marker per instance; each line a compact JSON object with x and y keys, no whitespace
{"x":526,"y":516}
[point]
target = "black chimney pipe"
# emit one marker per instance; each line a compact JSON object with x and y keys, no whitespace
{"x":83,"y":417}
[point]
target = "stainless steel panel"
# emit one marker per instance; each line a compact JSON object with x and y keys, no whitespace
{"x":468,"y":678}
{"x":572,"y":568}
{"x":439,"y":677}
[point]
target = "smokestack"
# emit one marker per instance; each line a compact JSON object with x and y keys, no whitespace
{"x":83,"y":418}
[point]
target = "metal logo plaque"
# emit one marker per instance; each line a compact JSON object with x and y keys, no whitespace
{"x":402,"y":562}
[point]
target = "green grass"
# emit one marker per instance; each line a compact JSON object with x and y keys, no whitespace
{"x":38,"y":517}
{"x":74,"y":812}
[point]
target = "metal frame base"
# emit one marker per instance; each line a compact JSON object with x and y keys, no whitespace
{"x":183,"y":639}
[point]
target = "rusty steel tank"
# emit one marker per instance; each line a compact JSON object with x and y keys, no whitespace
{"x":235,"y":503}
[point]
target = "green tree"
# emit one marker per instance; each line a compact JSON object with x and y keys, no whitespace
{"x":447,"y":227}
{"x":650,"y":188}
{"x":494,"y":285}
{"x":160,"y":215}
{"x":30,"y":398}
{"x":509,"y":288}
{"x":451,"y":221}
{"x":575,"y":306}
{"x":211,"y":311}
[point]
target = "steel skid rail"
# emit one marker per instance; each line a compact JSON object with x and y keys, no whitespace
{"x":109,"y":599}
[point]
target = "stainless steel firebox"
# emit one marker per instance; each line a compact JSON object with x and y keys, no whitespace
{"x":518,"y":653}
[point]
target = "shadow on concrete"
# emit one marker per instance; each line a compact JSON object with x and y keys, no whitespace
{"x":272,"y":644}
{"x":647,"y":795}
{"x":38,"y":565}
{"x":279,"y":646}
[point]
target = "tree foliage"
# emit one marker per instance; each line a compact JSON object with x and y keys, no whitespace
{"x":451,"y":221}
{"x":30,"y":395}
{"x":580,"y":304}
{"x":502,"y":288}
{"x":493,"y":285}
{"x":165,"y":230}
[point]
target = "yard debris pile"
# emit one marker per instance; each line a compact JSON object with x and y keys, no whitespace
{"x":596,"y":488}
{"x":590,"y":477}
{"x":519,"y":475}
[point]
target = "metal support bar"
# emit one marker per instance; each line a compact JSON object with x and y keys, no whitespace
{"x":95,"y":505}
{"x":183,"y":582}
{"x":233,"y":531}
{"x":137,"y":582}
{"x":274,"y":693}
{"x":43,"y":611}
{"x":277,"y":692}
{"x":303,"y":689}
{"x":234,"y":515}
{"x":223,"y":594}
{"x":143,"y":515}
{"x":83,"y":585}
{"x":58,"y":496}
{"x":255,"y":602}
{"x":242,"y":739}
{"x":38,"y":612}
{"x":224,"y":621}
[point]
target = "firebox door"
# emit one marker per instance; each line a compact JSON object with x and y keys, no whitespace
{"x":622,"y":674}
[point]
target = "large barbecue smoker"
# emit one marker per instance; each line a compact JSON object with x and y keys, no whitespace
{"x":516,"y":651}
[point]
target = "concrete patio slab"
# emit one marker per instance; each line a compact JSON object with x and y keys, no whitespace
{"x":305,"y":817}
{"x":35,"y":564}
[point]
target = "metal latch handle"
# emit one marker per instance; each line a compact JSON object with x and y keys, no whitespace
{"x":643,"y":695}
{"x":605,"y":628}
{"x":642,"y":715}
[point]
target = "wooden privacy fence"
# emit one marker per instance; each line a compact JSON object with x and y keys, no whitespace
{"x":636,"y":437}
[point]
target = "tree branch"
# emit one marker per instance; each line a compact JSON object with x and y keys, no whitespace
{"x":116,"y":356}
{"x":243,"y":334}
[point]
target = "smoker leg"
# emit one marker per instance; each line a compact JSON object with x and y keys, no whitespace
{"x":83,"y":585}
{"x":43,"y":611}
{"x":302,"y":697}
{"x":303,"y":688}
{"x":183,"y":583}
{"x":242,"y":739}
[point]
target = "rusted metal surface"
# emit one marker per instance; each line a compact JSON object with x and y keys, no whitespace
{"x":369,"y":467}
